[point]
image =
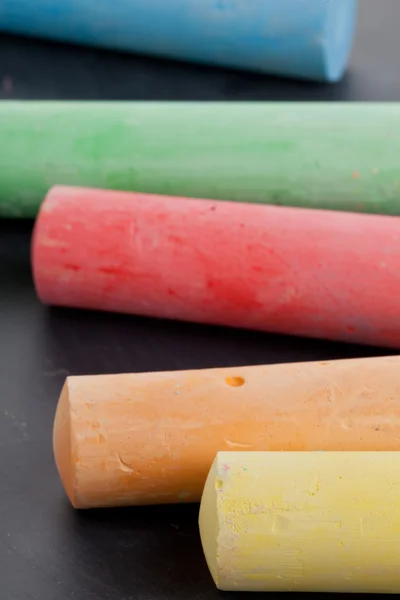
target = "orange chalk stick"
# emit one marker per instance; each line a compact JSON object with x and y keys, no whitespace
{"x":150,"y":438}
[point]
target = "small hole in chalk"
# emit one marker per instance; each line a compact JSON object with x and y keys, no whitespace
{"x":235,"y":381}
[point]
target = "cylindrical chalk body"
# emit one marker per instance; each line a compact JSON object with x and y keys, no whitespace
{"x":305,"y":521}
{"x":150,"y":438}
{"x":337,"y":156}
{"x":302,"y":38}
{"x":287,"y":270}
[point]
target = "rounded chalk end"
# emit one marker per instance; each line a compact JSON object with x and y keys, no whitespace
{"x":62,"y":446}
{"x":41,"y":248}
{"x":339,"y":35}
{"x":209,"y":522}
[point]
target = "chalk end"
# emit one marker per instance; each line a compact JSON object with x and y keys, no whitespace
{"x":62,"y":446}
{"x":209,"y":522}
{"x":339,"y":36}
{"x":36,"y":248}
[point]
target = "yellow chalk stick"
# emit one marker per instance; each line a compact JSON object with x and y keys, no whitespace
{"x":303,"y":521}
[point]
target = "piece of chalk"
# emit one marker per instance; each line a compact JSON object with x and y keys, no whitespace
{"x":287,"y":270}
{"x":303,"y":521}
{"x":310,"y":39}
{"x":337,"y":156}
{"x":150,"y":438}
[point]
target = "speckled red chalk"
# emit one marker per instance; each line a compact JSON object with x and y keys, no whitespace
{"x":290,"y":270}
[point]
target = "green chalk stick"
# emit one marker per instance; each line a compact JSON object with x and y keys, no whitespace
{"x":342,"y":156}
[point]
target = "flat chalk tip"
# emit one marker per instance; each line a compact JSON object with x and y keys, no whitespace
{"x":62,"y":445}
{"x":340,"y":27}
{"x":209,"y":522}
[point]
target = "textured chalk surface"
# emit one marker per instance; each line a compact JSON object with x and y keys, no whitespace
{"x":301,"y":38}
{"x":339,"y":156}
{"x":303,"y":521}
{"x":150,"y":438}
{"x":287,"y":270}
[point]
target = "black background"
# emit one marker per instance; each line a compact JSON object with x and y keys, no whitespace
{"x":47,"y":550}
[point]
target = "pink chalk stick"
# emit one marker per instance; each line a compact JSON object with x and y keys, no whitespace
{"x":290,"y":270}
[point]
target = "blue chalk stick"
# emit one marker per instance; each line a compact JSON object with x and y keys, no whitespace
{"x":309,"y":39}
